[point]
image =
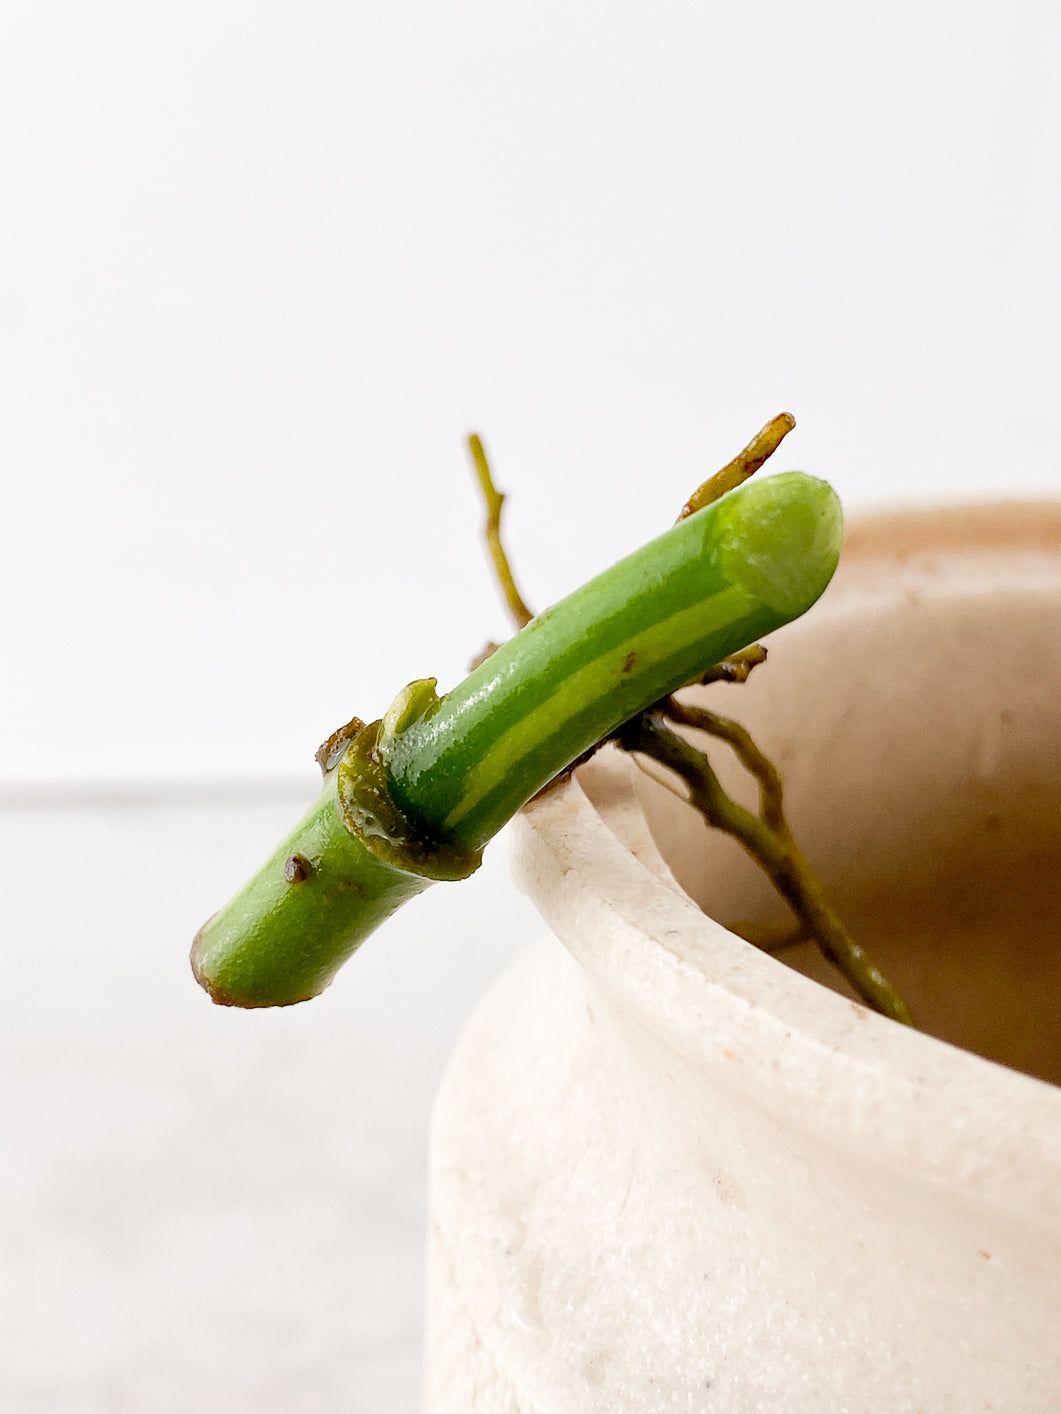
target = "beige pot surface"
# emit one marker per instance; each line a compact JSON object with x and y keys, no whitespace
{"x":671,"y":1172}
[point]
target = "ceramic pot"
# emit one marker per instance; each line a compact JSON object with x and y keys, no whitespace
{"x":673,"y":1172}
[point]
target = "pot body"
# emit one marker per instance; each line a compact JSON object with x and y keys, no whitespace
{"x":669,"y":1171}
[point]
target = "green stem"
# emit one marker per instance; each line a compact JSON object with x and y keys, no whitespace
{"x":284,"y":935}
{"x":416,"y":797}
{"x":712,"y":584}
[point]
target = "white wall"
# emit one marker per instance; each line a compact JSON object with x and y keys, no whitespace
{"x":261,"y":265}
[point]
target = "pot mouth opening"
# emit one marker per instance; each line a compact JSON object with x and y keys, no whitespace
{"x":915,"y":717}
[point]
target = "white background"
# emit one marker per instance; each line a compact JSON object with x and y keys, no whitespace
{"x":262,"y":266}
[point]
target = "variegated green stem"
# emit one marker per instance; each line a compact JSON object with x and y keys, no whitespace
{"x":416,"y":796}
{"x":712,"y":584}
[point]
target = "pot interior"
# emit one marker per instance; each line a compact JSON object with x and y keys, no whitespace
{"x":915,"y":716}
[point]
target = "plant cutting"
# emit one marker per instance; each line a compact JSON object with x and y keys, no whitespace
{"x":667,"y":1172}
{"x":414,"y":797}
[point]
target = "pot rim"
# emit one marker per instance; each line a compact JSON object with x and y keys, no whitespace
{"x":764,"y":1030}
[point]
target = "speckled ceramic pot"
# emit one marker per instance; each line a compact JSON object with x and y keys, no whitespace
{"x":672,"y":1172}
